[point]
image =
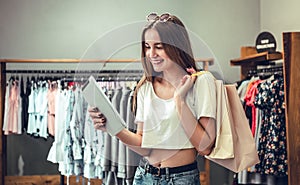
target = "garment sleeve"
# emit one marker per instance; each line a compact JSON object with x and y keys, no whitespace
{"x":139,"y":117}
{"x":205,"y":96}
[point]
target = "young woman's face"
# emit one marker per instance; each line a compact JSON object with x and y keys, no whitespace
{"x":155,"y":52}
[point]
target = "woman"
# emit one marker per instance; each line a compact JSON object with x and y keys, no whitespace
{"x":175,"y":110}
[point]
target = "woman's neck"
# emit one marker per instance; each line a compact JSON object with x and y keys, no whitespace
{"x":173,"y":78}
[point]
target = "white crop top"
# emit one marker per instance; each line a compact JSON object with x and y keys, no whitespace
{"x":162,"y":128}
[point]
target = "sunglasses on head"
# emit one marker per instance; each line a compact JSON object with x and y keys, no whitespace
{"x":162,"y":18}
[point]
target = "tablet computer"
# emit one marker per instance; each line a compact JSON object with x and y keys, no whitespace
{"x":95,"y":97}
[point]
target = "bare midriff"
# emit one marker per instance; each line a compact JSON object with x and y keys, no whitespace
{"x":171,"y":158}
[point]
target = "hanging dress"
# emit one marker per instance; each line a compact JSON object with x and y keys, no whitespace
{"x":272,"y":149}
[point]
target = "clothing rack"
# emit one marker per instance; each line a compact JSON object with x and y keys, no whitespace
{"x":82,"y":75}
{"x":71,"y":71}
{"x":76,"y":76}
{"x":67,"y":75}
{"x":266,"y":71}
{"x":42,"y":179}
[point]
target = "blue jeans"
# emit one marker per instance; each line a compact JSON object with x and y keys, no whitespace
{"x":183,"y":178}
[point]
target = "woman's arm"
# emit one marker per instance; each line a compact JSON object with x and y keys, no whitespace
{"x":134,"y":140}
{"x":201,"y":132}
{"x":130,"y":139}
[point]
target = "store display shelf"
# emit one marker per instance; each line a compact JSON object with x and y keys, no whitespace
{"x":259,"y":58}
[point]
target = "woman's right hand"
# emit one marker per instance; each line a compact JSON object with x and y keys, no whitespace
{"x":98,"y":118}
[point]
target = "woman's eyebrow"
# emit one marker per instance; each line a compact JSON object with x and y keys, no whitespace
{"x":158,"y":43}
{"x":155,"y":44}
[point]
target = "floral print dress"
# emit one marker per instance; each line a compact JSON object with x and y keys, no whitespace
{"x":272,"y":149}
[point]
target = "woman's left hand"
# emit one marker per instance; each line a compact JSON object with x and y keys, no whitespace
{"x":98,"y":118}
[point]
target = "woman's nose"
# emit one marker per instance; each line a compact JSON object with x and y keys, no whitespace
{"x":152,"y":52}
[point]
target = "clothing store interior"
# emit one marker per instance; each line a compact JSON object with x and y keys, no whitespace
{"x":48,"y":46}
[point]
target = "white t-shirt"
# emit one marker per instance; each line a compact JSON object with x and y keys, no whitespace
{"x":162,"y":128}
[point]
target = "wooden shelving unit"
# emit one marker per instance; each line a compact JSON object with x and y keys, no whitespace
{"x":291,"y":41}
{"x":250,"y":62}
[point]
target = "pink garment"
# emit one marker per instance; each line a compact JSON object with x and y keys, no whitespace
{"x":249,"y":100}
{"x":51,"y":107}
{"x":13,"y":111}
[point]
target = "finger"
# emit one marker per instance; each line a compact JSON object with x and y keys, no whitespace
{"x":93,"y":109}
{"x":93,"y":115}
{"x":99,"y":126}
{"x":96,"y":114}
{"x":184,"y":79}
{"x":100,"y":115}
{"x":103,"y":120}
{"x":189,"y":78}
{"x":193,"y":78}
{"x":191,"y":70}
{"x":96,"y":120}
{"x":99,"y":120}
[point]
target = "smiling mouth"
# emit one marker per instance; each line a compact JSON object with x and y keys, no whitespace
{"x":155,"y":62}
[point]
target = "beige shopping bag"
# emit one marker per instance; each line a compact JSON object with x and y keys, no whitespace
{"x":223,"y":148}
{"x":245,"y":152}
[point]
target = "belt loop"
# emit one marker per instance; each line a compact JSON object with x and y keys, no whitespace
{"x":147,"y":168}
{"x":158,"y":172}
{"x":167,"y":174}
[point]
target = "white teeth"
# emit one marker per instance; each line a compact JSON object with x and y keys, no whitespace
{"x":156,"y":61}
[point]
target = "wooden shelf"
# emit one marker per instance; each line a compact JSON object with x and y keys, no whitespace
{"x":259,"y":58}
{"x":206,"y":62}
{"x":66,"y":60}
{"x":209,"y":61}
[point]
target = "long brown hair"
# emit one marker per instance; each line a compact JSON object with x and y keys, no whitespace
{"x":176,"y":43}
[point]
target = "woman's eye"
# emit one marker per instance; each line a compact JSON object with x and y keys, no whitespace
{"x":146,"y":46}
